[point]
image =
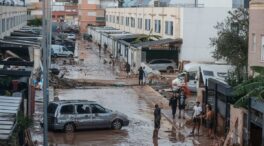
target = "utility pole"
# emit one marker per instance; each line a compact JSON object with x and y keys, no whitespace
{"x":45,"y":60}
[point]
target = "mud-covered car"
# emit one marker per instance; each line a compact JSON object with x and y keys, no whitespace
{"x":70,"y":115}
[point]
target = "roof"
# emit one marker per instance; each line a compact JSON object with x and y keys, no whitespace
{"x":9,"y":107}
{"x":157,"y":42}
{"x":125,"y":36}
{"x":72,"y":101}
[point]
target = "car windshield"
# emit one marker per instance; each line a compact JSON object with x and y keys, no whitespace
{"x":52,"y":108}
{"x":208,"y":73}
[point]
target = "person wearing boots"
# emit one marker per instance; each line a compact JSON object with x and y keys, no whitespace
{"x":173,"y":105}
{"x":157,"y":118}
{"x":182,"y":104}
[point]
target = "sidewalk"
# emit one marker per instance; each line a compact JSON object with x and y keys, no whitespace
{"x":153,"y":97}
{"x":36,"y":132}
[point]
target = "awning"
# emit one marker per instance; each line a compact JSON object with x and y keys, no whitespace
{"x":9,"y":107}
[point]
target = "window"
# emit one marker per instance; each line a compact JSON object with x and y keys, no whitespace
{"x":147,"y":24}
{"x":83,"y":109}
{"x":117,"y":19}
{"x":113,"y":19}
{"x":122,"y":20}
{"x":127,"y":21}
{"x":3,"y":25}
{"x":106,"y":18}
{"x":254,"y":42}
{"x":262,"y":48}
{"x":67,"y":109}
{"x":110,"y":17}
{"x":91,"y":13}
{"x":132,"y":22}
{"x":169,"y":27}
{"x":140,"y":23}
{"x":157,"y":26}
{"x":97,"y":108}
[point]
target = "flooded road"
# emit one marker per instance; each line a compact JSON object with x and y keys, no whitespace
{"x":125,"y":100}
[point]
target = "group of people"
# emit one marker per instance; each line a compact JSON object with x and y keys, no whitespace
{"x":198,"y":115}
{"x":178,"y":100}
{"x":142,"y":74}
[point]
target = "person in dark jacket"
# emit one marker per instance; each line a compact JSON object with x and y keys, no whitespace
{"x":99,"y":47}
{"x":141,"y":76}
{"x":128,"y":68}
{"x":182,"y":104}
{"x":173,"y":105}
{"x":157,"y":118}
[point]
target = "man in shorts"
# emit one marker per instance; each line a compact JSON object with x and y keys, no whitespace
{"x":196,"y":117}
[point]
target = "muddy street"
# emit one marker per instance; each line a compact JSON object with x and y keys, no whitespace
{"x":125,"y":100}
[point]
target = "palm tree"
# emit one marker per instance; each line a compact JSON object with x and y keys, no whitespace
{"x":144,"y":37}
{"x":251,"y":88}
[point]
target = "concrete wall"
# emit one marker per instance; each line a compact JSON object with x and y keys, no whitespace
{"x":196,"y":31}
{"x":235,"y":134}
{"x":256,"y":34}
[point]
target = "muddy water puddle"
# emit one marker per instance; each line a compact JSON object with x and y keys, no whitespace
{"x":125,"y":100}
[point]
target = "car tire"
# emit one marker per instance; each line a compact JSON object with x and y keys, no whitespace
{"x":69,"y":128}
{"x":117,"y":124}
{"x":169,"y":69}
{"x":70,"y":56}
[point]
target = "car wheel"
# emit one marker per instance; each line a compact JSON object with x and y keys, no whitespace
{"x":169,"y":69}
{"x":70,"y":56}
{"x":116,"y":124}
{"x":69,"y":128}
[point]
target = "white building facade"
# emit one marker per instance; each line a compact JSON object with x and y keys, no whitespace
{"x":195,"y":26}
{"x":12,"y":18}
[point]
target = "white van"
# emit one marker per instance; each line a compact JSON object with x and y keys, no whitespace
{"x":189,"y":74}
{"x":59,"y":50}
{"x":198,"y":73}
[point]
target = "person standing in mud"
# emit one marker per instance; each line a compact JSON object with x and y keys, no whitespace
{"x":209,"y":120}
{"x":197,"y":111}
{"x":105,"y":47}
{"x":99,"y":47}
{"x":173,"y":105}
{"x":141,"y":76}
{"x":157,"y":118}
{"x":182,"y":104}
{"x":128,"y":68}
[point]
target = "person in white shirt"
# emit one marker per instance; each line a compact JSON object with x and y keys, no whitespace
{"x":196,"y":117}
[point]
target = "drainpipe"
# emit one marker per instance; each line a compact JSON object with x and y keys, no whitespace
{"x":206,"y":91}
{"x":249,"y":123}
{"x":226,"y":120}
{"x":216,"y":111}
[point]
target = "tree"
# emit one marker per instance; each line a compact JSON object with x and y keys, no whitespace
{"x":35,"y":22}
{"x":250,"y":88}
{"x":144,"y":37}
{"x":231,"y":43}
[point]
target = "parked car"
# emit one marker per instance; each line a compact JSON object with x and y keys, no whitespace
{"x":162,"y":65}
{"x":70,"y":115}
{"x":59,"y":50}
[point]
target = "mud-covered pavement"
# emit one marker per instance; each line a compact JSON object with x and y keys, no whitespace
{"x":125,"y":100}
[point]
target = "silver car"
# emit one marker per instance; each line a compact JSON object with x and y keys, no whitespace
{"x":163,"y":65}
{"x":70,"y":115}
